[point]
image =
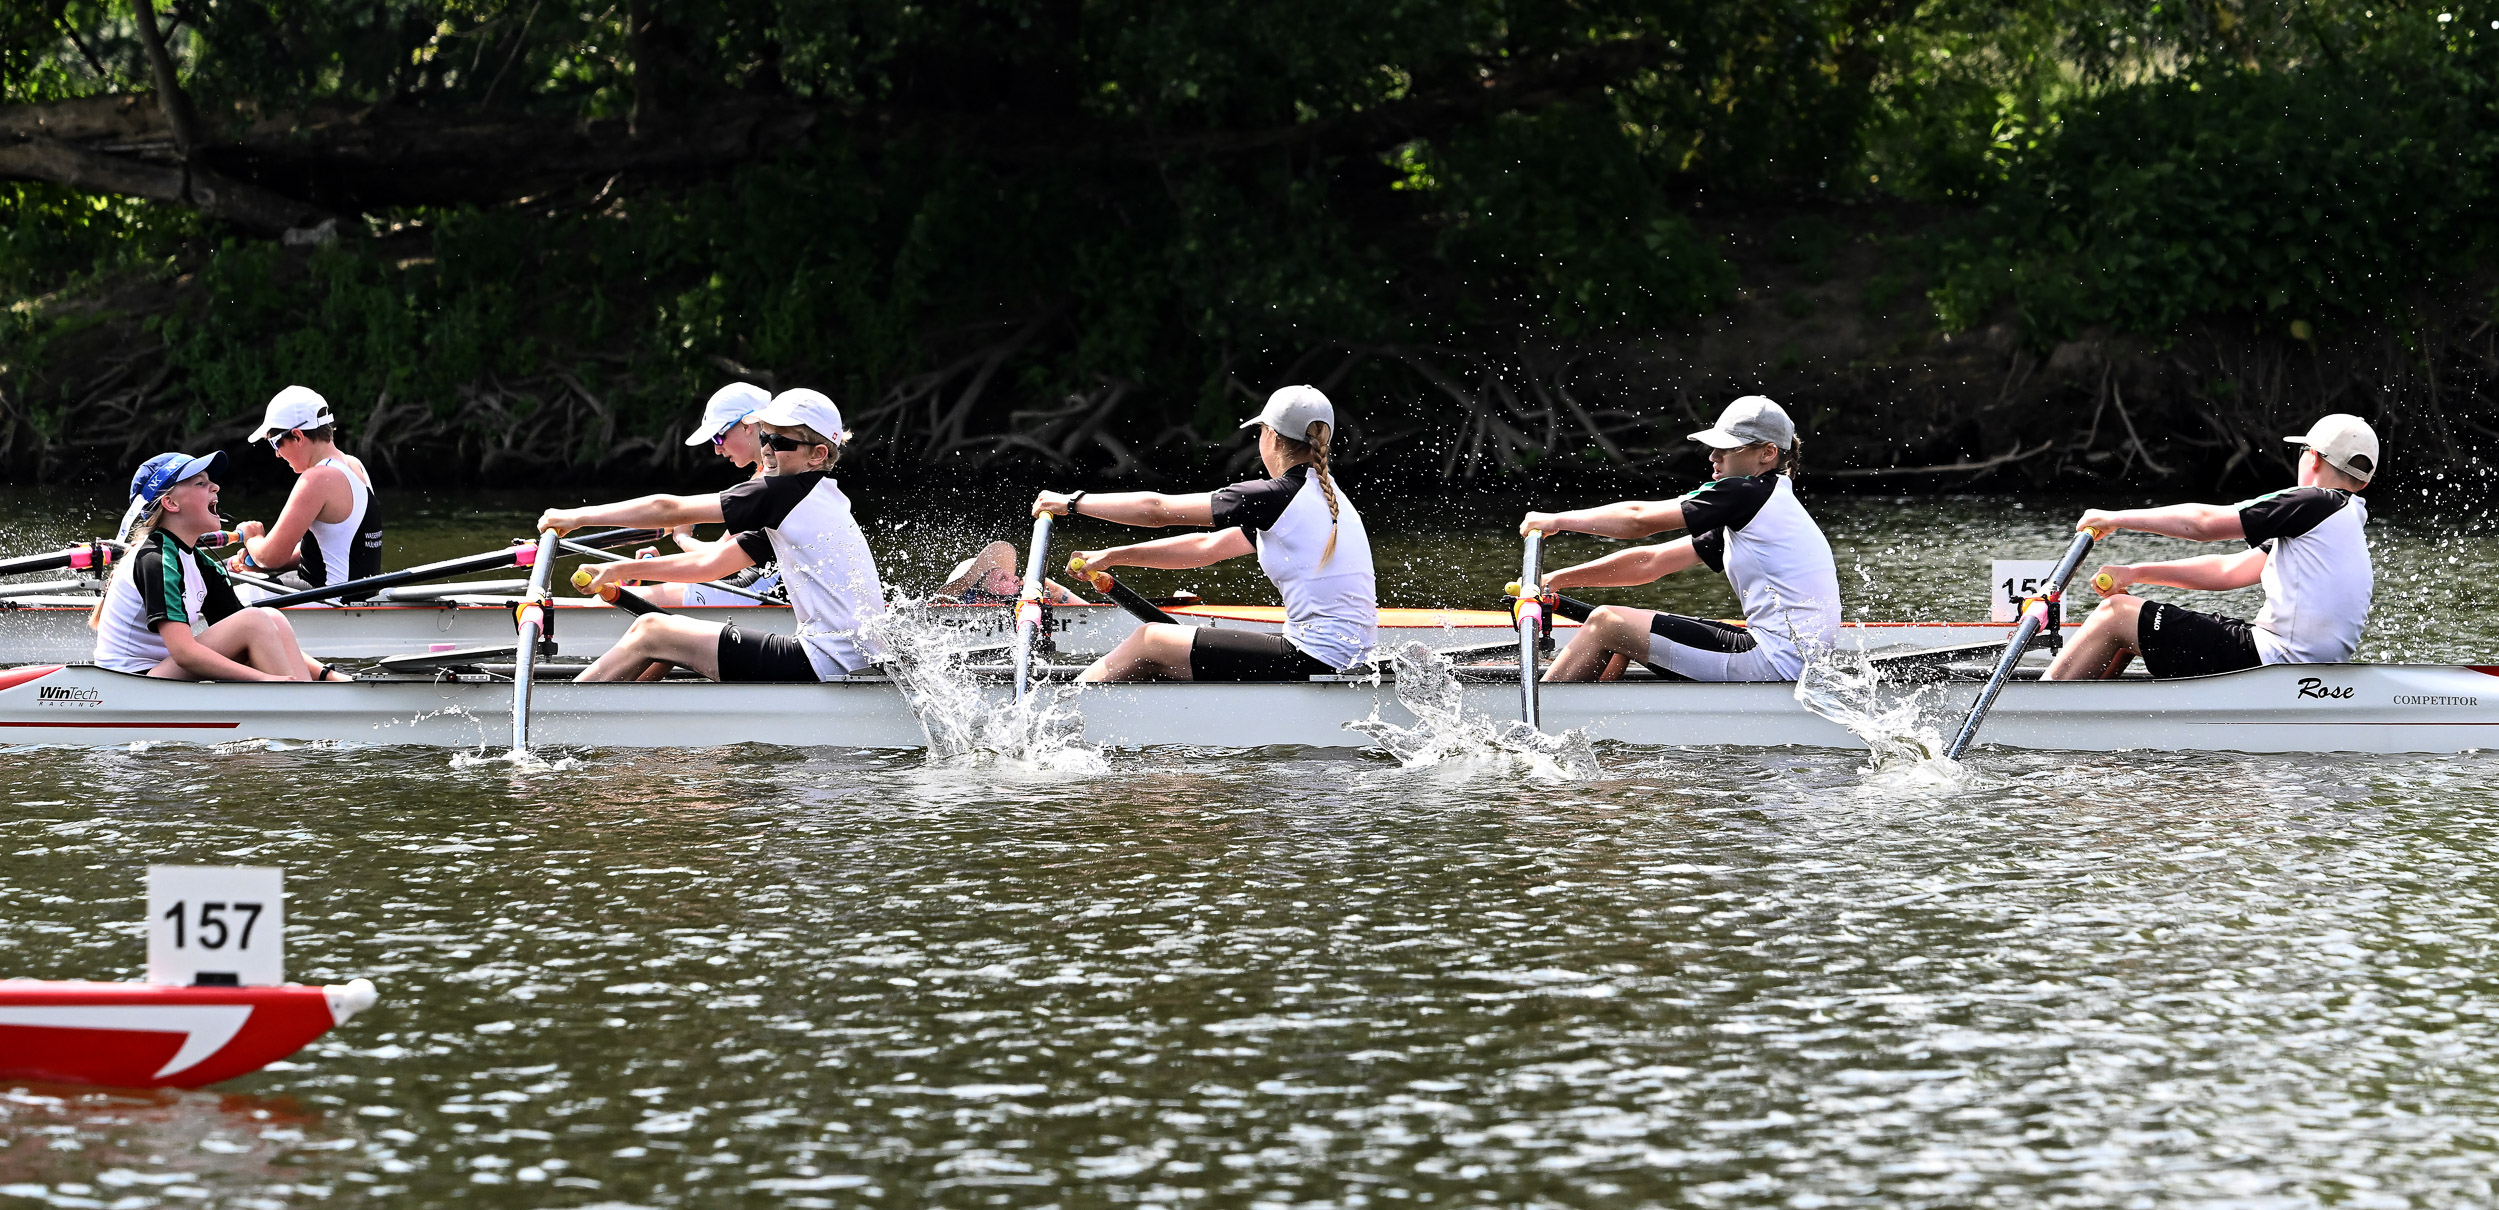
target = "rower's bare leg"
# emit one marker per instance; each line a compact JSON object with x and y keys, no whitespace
{"x":666,"y":596}
{"x":1609,"y":631}
{"x":2108,"y":633}
{"x":259,"y":637}
{"x":689,"y":643}
{"x":1156,"y":651}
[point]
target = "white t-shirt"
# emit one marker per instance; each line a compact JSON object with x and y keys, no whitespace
{"x":803,"y":522}
{"x":2318,"y":579}
{"x":1331,"y":602}
{"x":1753,"y":529}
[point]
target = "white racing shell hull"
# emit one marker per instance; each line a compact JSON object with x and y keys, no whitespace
{"x":58,"y":633}
{"x":2307,"y":708}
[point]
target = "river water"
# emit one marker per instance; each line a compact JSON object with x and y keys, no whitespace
{"x":774,"y":977}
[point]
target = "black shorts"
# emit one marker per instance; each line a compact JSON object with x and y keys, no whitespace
{"x":763,"y":656}
{"x":1246,"y":655}
{"x":2181,"y":642}
{"x":1701,"y":632}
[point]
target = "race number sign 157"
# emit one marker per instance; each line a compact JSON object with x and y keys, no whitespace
{"x":216,"y":925}
{"x":2013,"y":580}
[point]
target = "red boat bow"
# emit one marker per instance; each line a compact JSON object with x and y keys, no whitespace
{"x":146,"y":1035}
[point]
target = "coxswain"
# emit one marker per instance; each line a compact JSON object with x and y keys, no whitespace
{"x":2305,"y":546}
{"x":728,"y":426}
{"x":328,"y":532}
{"x":1307,"y":535}
{"x":794,"y":515}
{"x":170,"y":611}
{"x":1747,"y":523}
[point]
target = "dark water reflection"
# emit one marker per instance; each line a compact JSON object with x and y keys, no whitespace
{"x":761,"y":977}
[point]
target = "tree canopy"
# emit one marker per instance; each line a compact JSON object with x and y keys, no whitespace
{"x":1069,"y":228}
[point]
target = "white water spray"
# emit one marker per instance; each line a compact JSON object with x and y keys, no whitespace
{"x":1447,"y":734}
{"x":1846,"y":688}
{"x":929,"y":661}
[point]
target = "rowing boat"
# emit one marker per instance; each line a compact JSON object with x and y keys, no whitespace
{"x":2279,"y":708}
{"x":153,"y":1035}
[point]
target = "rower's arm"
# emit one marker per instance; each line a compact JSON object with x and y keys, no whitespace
{"x":202,"y":661}
{"x":1638,"y":565}
{"x":693,"y":567}
{"x":1178,"y":553}
{"x":283,"y":545}
{"x":1625,"y":519}
{"x":2193,"y":522}
{"x":647,"y":512}
{"x":1149,"y":510}
{"x":2210,"y":573}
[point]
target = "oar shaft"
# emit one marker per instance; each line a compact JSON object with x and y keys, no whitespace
{"x":510,"y":556}
{"x":533,"y":624}
{"x":90,"y":556}
{"x":609,"y":556}
{"x":1028,"y":605}
{"x":1529,"y":614}
{"x":2034,"y":616}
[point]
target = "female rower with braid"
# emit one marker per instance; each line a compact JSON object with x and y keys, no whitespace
{"x":1308,"y":538}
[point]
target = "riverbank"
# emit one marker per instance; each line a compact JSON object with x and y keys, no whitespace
{"x":1834,"y":311}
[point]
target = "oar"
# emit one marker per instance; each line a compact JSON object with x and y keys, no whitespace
{"x":510,"y":556}
{"x":93,"y":556}
{"x":532,"y":616}
{"x":623,"y":598}
{"x":1028,"y":605}
{"x":1527,"y":610}
{"x":607,"y":556}
{"x":1120,"y":594}
{"x":2034,"y":616}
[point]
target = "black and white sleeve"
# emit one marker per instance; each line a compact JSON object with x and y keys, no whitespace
{"x":1257,"y":505}
{"x":1727,"y":503}
{"x":756,"y":505}
{"x":2290,"y":513}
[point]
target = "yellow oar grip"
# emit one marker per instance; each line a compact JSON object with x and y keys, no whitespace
{"x":1511,"y":588}
{"x":581,"y":579}
{"x":1075,"y":565}
{"x":2104,"y":583}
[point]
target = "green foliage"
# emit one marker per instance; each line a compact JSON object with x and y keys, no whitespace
{"x":2351,"y":182}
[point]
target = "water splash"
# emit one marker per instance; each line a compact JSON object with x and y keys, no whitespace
{"x":1908,"y":748}
{"x":1447,"y":734}
{"x":967,"y":724}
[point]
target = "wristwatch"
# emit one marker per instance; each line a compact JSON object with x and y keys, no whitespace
{"x":1073,"y":501}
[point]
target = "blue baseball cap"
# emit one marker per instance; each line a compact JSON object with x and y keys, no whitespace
{"x":165,"y":470}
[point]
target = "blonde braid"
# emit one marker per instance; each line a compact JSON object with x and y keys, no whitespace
{"x":1317,"y":440}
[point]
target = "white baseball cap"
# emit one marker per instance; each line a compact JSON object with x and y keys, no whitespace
{"x":1292,"y":410}
{"x":2346,"y":442}
{"x":1748,"y":420}
{"x":803,"y":406}
{"x":293,"y":408}
{"x":728,"y":406}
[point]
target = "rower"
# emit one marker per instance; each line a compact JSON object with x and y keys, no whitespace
{"x":728,"y":424}
{"x":1745,"y":522}
{"x":170,"y":611}
{"x":328,"y":532}
{"x":1309,"y":540}
{"x":794,"y":515}
{"x":2305,"y":546}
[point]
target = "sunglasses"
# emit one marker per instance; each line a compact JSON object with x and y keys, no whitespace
{"x":775,"y":441}
{"x":721,"y":438}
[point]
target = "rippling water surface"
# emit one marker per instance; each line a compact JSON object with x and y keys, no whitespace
{"x":777,"y":977}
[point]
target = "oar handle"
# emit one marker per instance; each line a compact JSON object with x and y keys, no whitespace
{"x":1527,"y":613}
{"x":623,"y":598}
{"x":1120,"y":594}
